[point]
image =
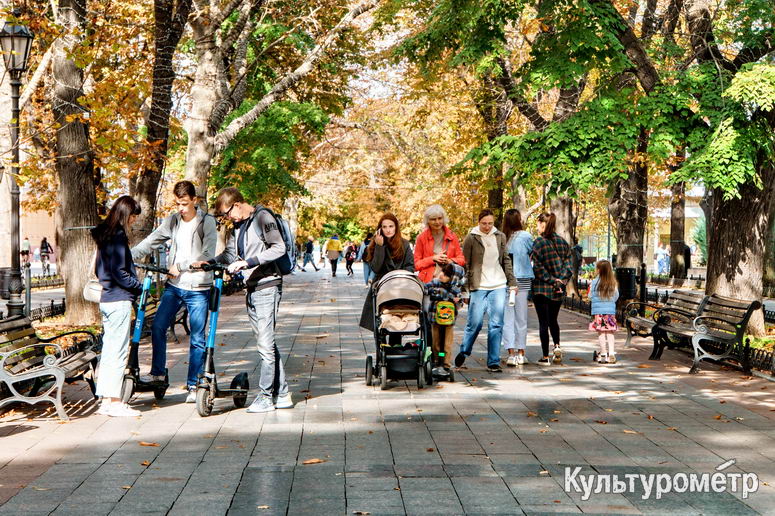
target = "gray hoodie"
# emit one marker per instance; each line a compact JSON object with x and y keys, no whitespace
{"x":203,"y":243}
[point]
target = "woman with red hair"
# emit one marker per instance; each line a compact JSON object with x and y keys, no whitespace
{"x":388,"y":251}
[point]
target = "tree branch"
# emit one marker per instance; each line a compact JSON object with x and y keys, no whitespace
{"x":292,"y":78}
{"x":754,"y":53}
{"x":40,"y":72}
{"x":525,"y":108}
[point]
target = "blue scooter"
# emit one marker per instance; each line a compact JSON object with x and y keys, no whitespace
{"x":207,"y":389}
{"x":132,"y":382}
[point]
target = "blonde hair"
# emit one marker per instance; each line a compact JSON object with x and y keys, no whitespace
{"x":606,"y":284}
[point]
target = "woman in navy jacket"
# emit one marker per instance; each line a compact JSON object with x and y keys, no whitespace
{"x":120,"y":287}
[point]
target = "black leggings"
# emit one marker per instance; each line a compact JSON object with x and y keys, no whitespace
{"x":350,"y":267}
{"x":547,"y":311}
{"x":333,"y":265}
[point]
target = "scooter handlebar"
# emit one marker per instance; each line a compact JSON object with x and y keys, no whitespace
{"x":213,"y":267}
{"x":152,"y":268}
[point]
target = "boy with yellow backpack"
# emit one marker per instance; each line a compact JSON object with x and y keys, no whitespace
{"x":444,"y":293}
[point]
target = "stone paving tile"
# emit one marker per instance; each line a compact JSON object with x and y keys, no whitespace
{"x":485,"y":444}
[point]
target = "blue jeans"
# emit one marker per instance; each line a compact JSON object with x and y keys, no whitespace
{"x":196,"y":301}
{"x":308,"y":259}
{"x":494,"y":303}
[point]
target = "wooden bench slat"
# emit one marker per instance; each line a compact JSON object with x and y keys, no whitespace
{"x":730,"y":302}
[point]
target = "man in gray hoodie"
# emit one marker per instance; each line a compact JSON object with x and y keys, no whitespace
{"x":192,"y":236}
{"x":253,"y":246}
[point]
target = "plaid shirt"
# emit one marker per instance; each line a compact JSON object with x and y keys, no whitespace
{"x":438,"y":291}
{"x":551,"y":263}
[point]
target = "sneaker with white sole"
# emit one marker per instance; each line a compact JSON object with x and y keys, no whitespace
{"x":557,"y":355}
{"x":512,"y":361}
{"x":602,"y":359}
{"x":611,"y":359}
{"x":150,"y":378}
{"x":104,"y":408}
{"x":284,"y":402}
{"x":544,"y":361}
{"x":521,"y":359}
{"x":118,"y":409}
{"x":191,"y":397}
{"x":261,"y":404}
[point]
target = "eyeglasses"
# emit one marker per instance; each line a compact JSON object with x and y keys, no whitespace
{"x":225,"y":215}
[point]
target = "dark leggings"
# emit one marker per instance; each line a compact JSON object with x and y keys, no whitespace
{"x":333,"y":265}
{"x":350,"y":267}
{"x":547,"y":311}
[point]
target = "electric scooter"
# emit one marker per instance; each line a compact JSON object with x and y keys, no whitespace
{"x":207,"y":389}
{"x":132,"y":382}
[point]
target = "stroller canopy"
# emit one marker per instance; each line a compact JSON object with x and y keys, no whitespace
{"x":399,"y":286}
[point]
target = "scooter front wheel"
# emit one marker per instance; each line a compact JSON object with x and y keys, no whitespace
{"x":127,"y":389}
{"x":204,"y":401}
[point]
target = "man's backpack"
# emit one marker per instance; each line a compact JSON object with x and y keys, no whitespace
{"x":286,"y":263}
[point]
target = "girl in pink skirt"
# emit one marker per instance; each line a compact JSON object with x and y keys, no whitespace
{"x":603,"y":294}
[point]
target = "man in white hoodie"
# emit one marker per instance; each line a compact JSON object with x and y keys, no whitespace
{"x":192,"y":236}
{"x":489,"y":276}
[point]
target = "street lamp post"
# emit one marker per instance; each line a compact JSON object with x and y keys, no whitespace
{"x":15,"y":41}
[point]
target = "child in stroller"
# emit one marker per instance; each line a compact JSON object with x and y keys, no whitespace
{"x":444,"y":293}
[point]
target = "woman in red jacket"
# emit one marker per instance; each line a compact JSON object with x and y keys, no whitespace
{"x":437,"y":245}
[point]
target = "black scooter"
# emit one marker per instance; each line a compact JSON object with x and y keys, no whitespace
{"x":132,"y":382}
{"x":207,"y":389}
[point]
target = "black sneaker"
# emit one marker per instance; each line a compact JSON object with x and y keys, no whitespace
{"x":460,"y":359}
{"x":494,"y":368}
{"x":544,"y":361}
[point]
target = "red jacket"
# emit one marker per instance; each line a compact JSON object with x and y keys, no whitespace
{"x":423,"y":252}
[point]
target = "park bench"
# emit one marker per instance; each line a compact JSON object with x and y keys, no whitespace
{"x":681,"y":307}
{"x":717,"y":332}
{"x":34,"y":369}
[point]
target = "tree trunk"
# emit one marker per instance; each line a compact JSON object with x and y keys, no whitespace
{"x":169,"y":24}
{"x":677,"y":230}
{"x":737,"y":243}
{"x":769,"y":265}
{"x":629,"y":209}
{"x":74,"y":165}
{"x":562,"y":207}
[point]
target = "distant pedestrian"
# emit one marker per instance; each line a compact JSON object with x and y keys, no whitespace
{"x":309,"y":247}
{"x":520,"y":243}
{"x":25,"y":250}
{"x":603,"y":294}
{"x":333,"y":252}
{"x":350,"y":254}
{"x":120,"y":287}
{"x":552,"y":268}
{"x":367,"y":273}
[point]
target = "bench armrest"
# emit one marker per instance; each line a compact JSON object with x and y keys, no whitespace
{"x":665,"y":311}
{"x":49,"y":360}
{"x":632,"y":308}
{"x":702,"y":328}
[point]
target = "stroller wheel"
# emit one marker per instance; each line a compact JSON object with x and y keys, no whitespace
{"x":428,"y":373}
{"x":369,"y":370}
{"x":420,"y":377}
{"x":451,"y":375}
{"x":383,"y":378}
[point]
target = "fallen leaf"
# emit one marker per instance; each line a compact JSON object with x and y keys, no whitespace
{"x":36,"y":488}
{"x":557,"y":501}
{"x":322,"y":335}
{"x":430,"y":450}
{"x":651,"y":417}
{"x":717,"y":416}
{"x":208,"y":436}
{"x":609,"y":410}
{"x":143,"y":443}
{"x":543,"y":472}
{"x":371,"y":431}
{"x":397,"y":488}
{"x":630,"y":432}
{"x":554,"y":420}
{"x":557,"y":411}
{"x":304,"y":390}
{"x":145,"y":463}
{"x":531,"y":414}
{"x":313,"y":461}
{"x":577,"y":359}
{"x":126,"y":487}
{"x":723,"y":401}
{"x":361,"y":512}
{"x":601,"y":421}
{"x":643,"y":366}
{"x":618,"y":392}
{"x":566,"y":380}
{"x":543,"y":430}
{"x":671,"y":428}
{"x":263,"y":507}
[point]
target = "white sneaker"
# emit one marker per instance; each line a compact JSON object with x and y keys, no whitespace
{"x":521,"y":359}
{"x":191,"y":398}
{"x":284,"y":402}
{"x":150,"y":378}
{"x":104,"y":408}
{"x":261,"y":404}
{"x":512,"y":361}
{"x":119,"y":409}
{"x":602,"y":359}
{"x":557,"y":355}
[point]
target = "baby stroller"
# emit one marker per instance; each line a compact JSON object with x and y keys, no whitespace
{"x":400,"y":332}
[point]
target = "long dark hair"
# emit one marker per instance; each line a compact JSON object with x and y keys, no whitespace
{"x":551,"y":224}
{"x":118,"y":217}
{"x":512,"y":222}
{"x":395,"y":243}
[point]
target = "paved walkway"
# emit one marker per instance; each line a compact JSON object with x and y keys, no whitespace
{"x":487,"y":444}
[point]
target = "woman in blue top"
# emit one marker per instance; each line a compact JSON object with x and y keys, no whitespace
{"x":603,"y":295}
{"x":120,"y":286}
{"x":520,"y":243}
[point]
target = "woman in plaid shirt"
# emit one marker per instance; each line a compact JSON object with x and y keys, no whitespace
{"x":553,"y":269}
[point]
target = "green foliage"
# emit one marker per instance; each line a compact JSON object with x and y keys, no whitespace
{"x":262,"y":157}
{"x":700,"y":237}
{"x":347,"y":229}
